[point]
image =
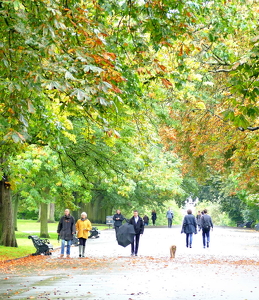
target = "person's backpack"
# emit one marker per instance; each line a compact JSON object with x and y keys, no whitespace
{"x":206,"y":222}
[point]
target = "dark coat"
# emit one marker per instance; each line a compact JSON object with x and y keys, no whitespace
{"x":66,"y":227}
{"x":118,"y":223}
{"x":189,"y":224}
{"x":146,"y":219}
{"x":153,"y":216}
{"x":139,"y":226}
{"x":206,"y":222}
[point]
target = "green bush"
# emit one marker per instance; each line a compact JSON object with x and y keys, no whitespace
{"x":28,"y":215}
{"x":218,"y":217}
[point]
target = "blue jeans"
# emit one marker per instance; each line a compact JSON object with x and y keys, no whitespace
{"x":205,"y":236}
{"x":189,"y":239}
{"x":63,"y":246}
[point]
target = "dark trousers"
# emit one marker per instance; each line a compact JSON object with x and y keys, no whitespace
{"x":116,"y":230}
{"x":153,"y":221}
{"x":134,"y":245}
{"x":169,"y":222}
{"x":205,"y":236}
{"x":82,"y":241}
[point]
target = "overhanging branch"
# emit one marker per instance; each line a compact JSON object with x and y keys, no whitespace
{"x":249,"y":128}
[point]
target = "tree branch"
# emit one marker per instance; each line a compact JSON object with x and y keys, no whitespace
{"x":221,"y":70}
{"x":249,"y":128}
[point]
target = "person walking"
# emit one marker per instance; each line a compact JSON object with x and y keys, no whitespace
{"x":66,"y":230}
{"x":146,"y":220}
{"x":198,"y":220}
{"x":117,"y":218}
{"x":206,"y":225}
{"x":170,"y":216}
{"x":83,"y":226}
{"x":189,"y":227}
{"x":153,"y":217}
{"x":138,"y":224}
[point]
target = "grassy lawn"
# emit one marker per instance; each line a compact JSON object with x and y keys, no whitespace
{"x":34,"y":226}
{"x":25,"y":246}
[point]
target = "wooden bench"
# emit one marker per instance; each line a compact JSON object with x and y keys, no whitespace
{"x":94,"y":233}
{"x":42,"y":246}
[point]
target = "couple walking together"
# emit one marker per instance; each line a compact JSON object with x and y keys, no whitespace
{"x":67,"y":228}
{"x":189,"y":227}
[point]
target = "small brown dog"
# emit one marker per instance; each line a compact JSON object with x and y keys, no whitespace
{"x":172,"y":251}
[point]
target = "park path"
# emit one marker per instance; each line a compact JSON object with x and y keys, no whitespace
{"x":229,"y":269}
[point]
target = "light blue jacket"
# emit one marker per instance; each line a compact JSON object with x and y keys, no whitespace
{"x":169,"y":214}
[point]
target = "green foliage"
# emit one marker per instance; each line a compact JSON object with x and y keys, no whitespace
{"x":82,"y":108}
{"x":190,"y":188}
{"x":178,"y":212}
{"x":39,"y":178}
{"x":27,"y":214}
{"x":231,"y":206}
{"x":218,"y":216}
{"x":88,"y":85}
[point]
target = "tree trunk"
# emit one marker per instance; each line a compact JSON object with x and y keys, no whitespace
{"x":88,"y":208}
{"x":44,"y":220}
{"x":39,"y":214}
{"x":51,"y":218}
{"x":15,"y":209}
{"x":7,"y":233}
{"x":96,"y":210}
{"x":77,"y":213}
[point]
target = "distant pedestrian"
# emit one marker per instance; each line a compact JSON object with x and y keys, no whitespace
{"x":83,"y":226}
{"x":170,"y":216}
{"x":189,"y":227}
{"x":117,"y":218}
{"x":206,"y":225}
{"x":198,"y":220}
{"x":66,"y":230}
{"x":146,"y":220}
{"x":153,"y":217}
{"x":138,"y":224}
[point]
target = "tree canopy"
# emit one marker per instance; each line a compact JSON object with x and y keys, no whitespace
{"x":122,"y":100}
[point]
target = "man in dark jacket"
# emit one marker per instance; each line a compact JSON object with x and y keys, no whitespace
{"x":145,"y":220}
{"x":206,"y":224}
{"x":66,"y":230}
{"x":117,"y":218}
{"x":138,"y":224}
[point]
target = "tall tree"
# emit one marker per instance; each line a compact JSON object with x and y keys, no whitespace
{"x":214,"y":111}
{"x":53,"y":55}
{"x":104,"y":63}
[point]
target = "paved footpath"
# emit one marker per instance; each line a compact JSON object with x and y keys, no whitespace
{"x":229,"y":269}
